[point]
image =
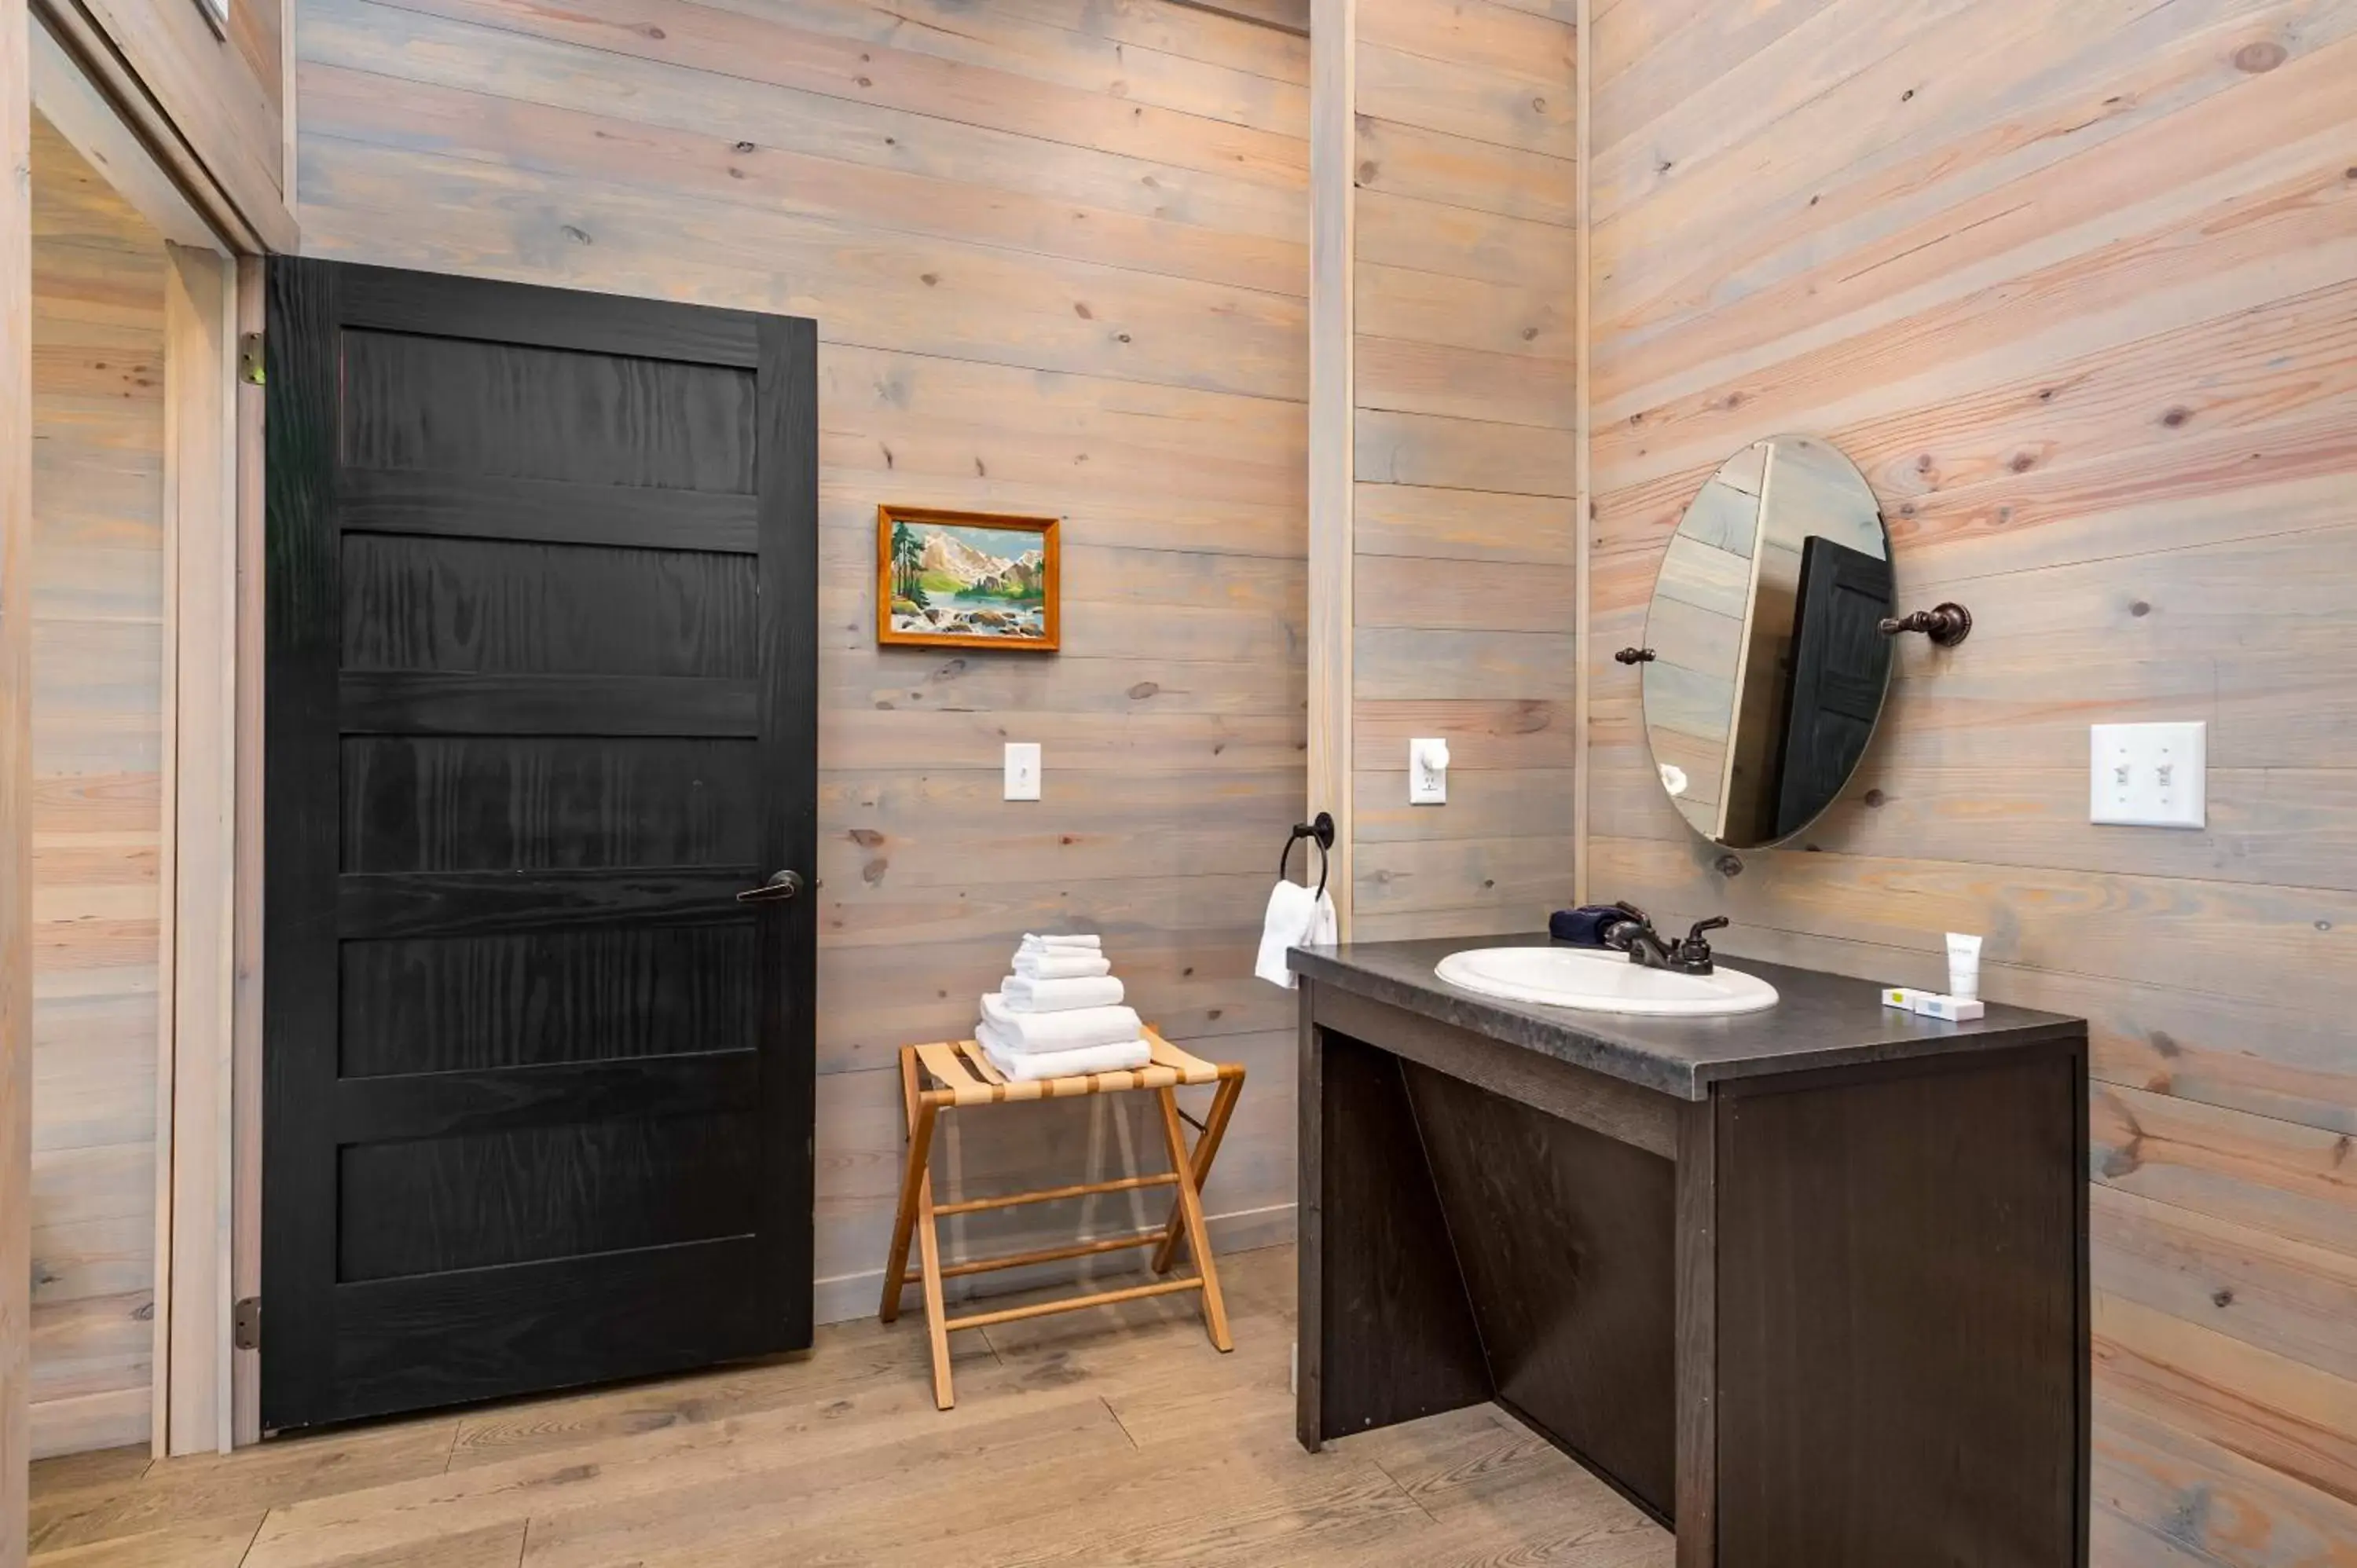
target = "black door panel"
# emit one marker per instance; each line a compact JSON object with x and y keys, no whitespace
{"x":541,"y":700}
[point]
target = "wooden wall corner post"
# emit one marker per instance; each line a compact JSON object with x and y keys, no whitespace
{"x":1583,"y":460}
{"x":15,"y":775}
{"x":1333,"y":136}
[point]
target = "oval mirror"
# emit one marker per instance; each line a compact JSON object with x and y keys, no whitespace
{"x":1764,"y":664}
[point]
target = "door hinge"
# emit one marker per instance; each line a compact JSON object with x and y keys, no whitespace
{"x":245,"y":1324}
{"x":249,"y":358}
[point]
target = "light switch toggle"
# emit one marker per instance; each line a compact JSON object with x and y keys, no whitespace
{"x":1428,"y":773}
{"x":1022,"y":770}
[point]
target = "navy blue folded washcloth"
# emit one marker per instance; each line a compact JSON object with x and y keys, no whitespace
{"x":1584,"y":927}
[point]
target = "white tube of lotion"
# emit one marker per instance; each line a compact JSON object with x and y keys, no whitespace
{"x":1964,"y":966}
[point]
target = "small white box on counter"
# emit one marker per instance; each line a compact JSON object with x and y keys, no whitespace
{"x":1954,"y":1009}
{"x":1932,"y":1003}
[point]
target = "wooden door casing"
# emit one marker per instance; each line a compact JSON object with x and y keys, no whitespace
{"x":540,"y":701}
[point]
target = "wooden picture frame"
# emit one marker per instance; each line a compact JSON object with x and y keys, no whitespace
{"x":948,"y":579}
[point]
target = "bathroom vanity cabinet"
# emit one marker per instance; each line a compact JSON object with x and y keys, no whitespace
{"x":1808,"y":1285}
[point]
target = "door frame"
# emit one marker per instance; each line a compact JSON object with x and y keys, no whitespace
{"x":206,"y":476}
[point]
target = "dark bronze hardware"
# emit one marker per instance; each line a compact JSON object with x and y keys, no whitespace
{"x":1947,"y":624}
{"x":1318,"y":830}
{"x":775,"y":890}
{"x":1634,"y":656}
{"x":1692,"y":956}
{"x":1633,"y":934}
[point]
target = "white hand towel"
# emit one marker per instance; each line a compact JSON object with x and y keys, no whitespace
{"x":1073,"y":1031}
{"x":1062,"y":964}
{"x":1056,"y":939}
{"x":1296,"y":917}
{"x":1026,"y":994}
{"x":1023,"y":1067}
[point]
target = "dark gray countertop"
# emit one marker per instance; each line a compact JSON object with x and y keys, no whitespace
{"x":1819,"y":1020}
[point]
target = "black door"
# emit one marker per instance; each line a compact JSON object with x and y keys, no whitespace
{"x":540,"y":702}
{"x":1841,"y":664}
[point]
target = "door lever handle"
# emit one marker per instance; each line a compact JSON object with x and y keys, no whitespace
{"x":775,"y":890}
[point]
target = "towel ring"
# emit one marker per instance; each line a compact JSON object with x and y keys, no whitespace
{"x":1320,"y":828}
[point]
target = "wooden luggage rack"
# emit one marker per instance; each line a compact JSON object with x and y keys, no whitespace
{"x":962,"y":1077}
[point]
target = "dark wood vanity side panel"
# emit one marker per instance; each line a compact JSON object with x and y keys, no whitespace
{"x":1901,"y":1322}
{"x":1309,"y":1228}
{"x":1385,"y":1332}
{"x":1696,"y":1312}
{"x":2083,"y":1490}
{"x":1567,"y":1242}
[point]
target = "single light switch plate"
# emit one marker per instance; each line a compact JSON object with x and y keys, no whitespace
{"x":1022,"y":769}
{"x":1428,"y":773}
{"x":2148,"y":776}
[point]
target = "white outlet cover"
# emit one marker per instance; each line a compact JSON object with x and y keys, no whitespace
{"x":1426,"y":785}
{"x":2148,"y":776}
{"x":1022,"y":770}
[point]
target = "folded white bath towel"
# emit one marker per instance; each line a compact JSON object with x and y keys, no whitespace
{"x":1062,"y":940}
{"x":1023,"y":1067}
{"x":1026,"y":994}
{"x":1297,"y":918}
{"x":1062,"y":964}
{"x":1076,"y":1030}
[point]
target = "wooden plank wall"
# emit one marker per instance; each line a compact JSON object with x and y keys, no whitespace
{"x":1057,"y":252}
{"x":2076,"y":286}
{"x":1467,"y":190}
{"x":15,"y":777}
{"x":98,"y":676}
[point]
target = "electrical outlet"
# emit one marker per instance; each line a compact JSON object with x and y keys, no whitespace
{"x":1428,"y":773}
{"x":1022,"y":770}
{"x":2148,"y":776}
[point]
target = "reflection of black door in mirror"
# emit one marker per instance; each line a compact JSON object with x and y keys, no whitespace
{"x":1840,"y":662}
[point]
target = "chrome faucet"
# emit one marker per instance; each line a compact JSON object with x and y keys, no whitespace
{"x":1634,"y":935}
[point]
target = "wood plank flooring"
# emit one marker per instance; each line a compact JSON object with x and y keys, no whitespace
{"x":1105,"y":1436}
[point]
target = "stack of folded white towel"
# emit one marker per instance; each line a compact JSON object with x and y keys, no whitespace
{"x":1060,"y":1014}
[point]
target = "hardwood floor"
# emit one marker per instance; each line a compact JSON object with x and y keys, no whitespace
{"x":1099,"y":1437}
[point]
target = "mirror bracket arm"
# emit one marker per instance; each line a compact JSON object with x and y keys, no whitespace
{"x":1945,"y":624}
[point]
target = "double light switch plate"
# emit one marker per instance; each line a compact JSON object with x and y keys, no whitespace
{"x":2148,"y":776}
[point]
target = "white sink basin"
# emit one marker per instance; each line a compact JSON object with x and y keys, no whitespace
{"x":1603,"y":981}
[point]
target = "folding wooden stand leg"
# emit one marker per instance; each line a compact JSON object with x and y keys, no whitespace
{"x":965,"y":1079}
{"x":917,"y":1207}
{"x":1207,"y":1149}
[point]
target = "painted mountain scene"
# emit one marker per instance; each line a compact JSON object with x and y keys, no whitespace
{"x":971,"y":580}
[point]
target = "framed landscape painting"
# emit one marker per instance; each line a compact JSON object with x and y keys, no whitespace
{"x":965,"y":579}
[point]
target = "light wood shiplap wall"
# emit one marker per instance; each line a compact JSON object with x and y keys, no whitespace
{"x":1057,"y":254}
{"x":98,"y":669}
{"x":1466,"y":189}
{"x":2076,"y":286}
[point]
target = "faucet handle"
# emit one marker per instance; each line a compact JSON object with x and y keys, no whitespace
{"x":1692,"y":956}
